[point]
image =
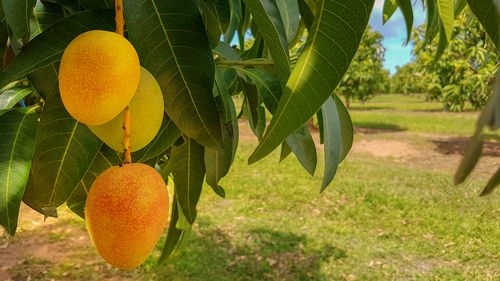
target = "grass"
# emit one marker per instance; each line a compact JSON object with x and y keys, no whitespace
{"x":413,"y":113}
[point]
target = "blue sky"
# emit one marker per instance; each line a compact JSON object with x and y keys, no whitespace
{"x":394,"y":32}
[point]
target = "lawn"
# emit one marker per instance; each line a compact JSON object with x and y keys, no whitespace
{"x":381,"y":219}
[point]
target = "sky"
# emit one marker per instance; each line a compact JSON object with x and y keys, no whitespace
{"x":394,"y":32}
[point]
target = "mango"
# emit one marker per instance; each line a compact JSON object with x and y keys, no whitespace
{"x":146,"y":110}
{"x":98,"y":76}
{"x":126,"y":212}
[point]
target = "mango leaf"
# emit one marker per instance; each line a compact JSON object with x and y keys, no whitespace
{"x":432,"y":21}
{"x":346,"y":129}
{"x":329,"y":49}
{"x":471,"y":156}
{"x":302,"y":145}
{"x":105,"y":158}
{"x":174,"y":234}
{"x":235,"y":20}
{"x":253,"y":109}
{"x":290,"y":16}
{"x":285,"y":151}
{"x":165,"y":138}
{"x":17,"y":16}
{"x":390,"y":7}
{"x":492,"y":183}
{"x":64,"y":151}
{"x":407,"y":10}
{"x":446,"y":13}
{"x":12,"y":96}
{"x":487,"y":15}
{"x":332,"y":139}
{"x":217,"y":163}
{"x":44,"y":15}
{"x":306,"y":13}
{"x":173,"y":45}
{"x":97,"y":4}
{"x":267,"y":17}
{"x":459,"y":7}
{"x":48,"y":47}
{"x":188,"y":173}
{"x":17,"y":141}
{"x":216,"y":16}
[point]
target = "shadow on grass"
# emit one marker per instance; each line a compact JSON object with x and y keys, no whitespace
{"x":262,"y":254}
{"x":457,"y":146}
{"x":376,"y":127}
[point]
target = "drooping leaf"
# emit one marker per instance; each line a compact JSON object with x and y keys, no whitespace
{"x":471,"y":156}
{"x":443,"y":43}
{"x":64,"y":151}
{"x":329,"y":49}
{"x":253,"y":109}
{"x":459,"y":7}
{"x":17,"y":16}
{"x":446,"y":13}
{"x":188,"y":173}
{"x":285,"y":151}
{"x":267,"y":17}
{"x":487,"y":15}
{"x":216,"y":16}
{"x":173,"y":45}
{"x":17,"y":141}
{"x":174,"y":234}
{"x":289,"y":11}
{"x":47,"y":48}
{"x":432,"y":21}
{"x":98,"y":4}
{"x":235,"y":20}
{"x":165,"y":138}
{"x":332,"y":140}
{"x":217,"y":163}
{"x":346,"y":129}
{"x":105,"y":158}
{"x":44,"y":15}
{"x":407,"y":11}
{"x":492,"y":183}
{"x":12,"y":96}
{"x":390,"y":7}
{"x":302,"y":145}
{"x":306,"y":13}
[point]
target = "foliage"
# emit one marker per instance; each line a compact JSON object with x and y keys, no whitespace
{"x":465,"y":72}
{"x":366,"y":74}
{"x":408,"y":80}
{"x":178,"y":42}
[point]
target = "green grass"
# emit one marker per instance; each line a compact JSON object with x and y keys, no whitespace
{"x":376,"y":222}
{"x":413,"y":113}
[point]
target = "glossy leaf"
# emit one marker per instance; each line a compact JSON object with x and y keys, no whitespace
{"x":48,"y":47}
{"x":390,"y":7}
{"x":64,"y":151}
{"x":173,"y":45}
{"x":188,"y":173}
{"x":346,"y":129}
{"x":12,"y":96}
{"x":446,"y":13}
{"x":165,"y":138}
{"x":492,"y":183}
{"x":105,"y":158}
{"x":328,"y":51}
{"x":407,"y":10}
{"x":332,"y":140}
{"x":17,"y":141}
{"x":17,"y":16}
{"x":267,"y":17}
{"x":216,"y":16}
{"x":290,"y":16}
{"x":487,"y":15}
{"x":302,"y":145}
{"x":174,"y":234}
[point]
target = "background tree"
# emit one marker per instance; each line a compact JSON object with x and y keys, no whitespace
{"x":408,"y":79}
{"x":366,"y":74}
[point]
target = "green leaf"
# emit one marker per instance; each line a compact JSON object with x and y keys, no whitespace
{"x":329,"y":49}
{"x":302,"y":145}
{"x":390,"y":7}
{"x":105,"y":158}
{"x":98,"y":4}
{"x":492,"y":183}
{"x":217,"y":163}
{"x":306,"y":13}
{"x":216,"y":15}
{"x":285,"y":151}
{"x":268,"y":19}
{"x":64,"y":151}
{"x":407,"y":10}
{"x":47,"y":48}
{"x":44,"y":15}
{"x":346,"y":129}
{"x":236,"y":19}
{"x":432,"y":21}
{"x":487,"y":15}
{"x":253,"y":109}
{"x":173,"y":45}
{"x":446,"y":13}
{"x":165,"y":138}
{"x":174,"y":235}
{"x":17,"y":16}
{"x":332,"y":140}
{"x":471,"y":156}
{"x":290,"y":16}
{"x":459,"y":7}
{"x":17,"y":141}
{"x":188,"y":173}
{"x":443,"y":43}
{"x":12,"y":96}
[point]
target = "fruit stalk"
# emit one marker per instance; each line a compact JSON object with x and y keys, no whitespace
{"x":126,"y":114}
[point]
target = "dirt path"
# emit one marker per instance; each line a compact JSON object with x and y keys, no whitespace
{"x":61,"y":250}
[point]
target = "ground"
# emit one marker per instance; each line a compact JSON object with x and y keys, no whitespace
{"x":392,"y":213}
